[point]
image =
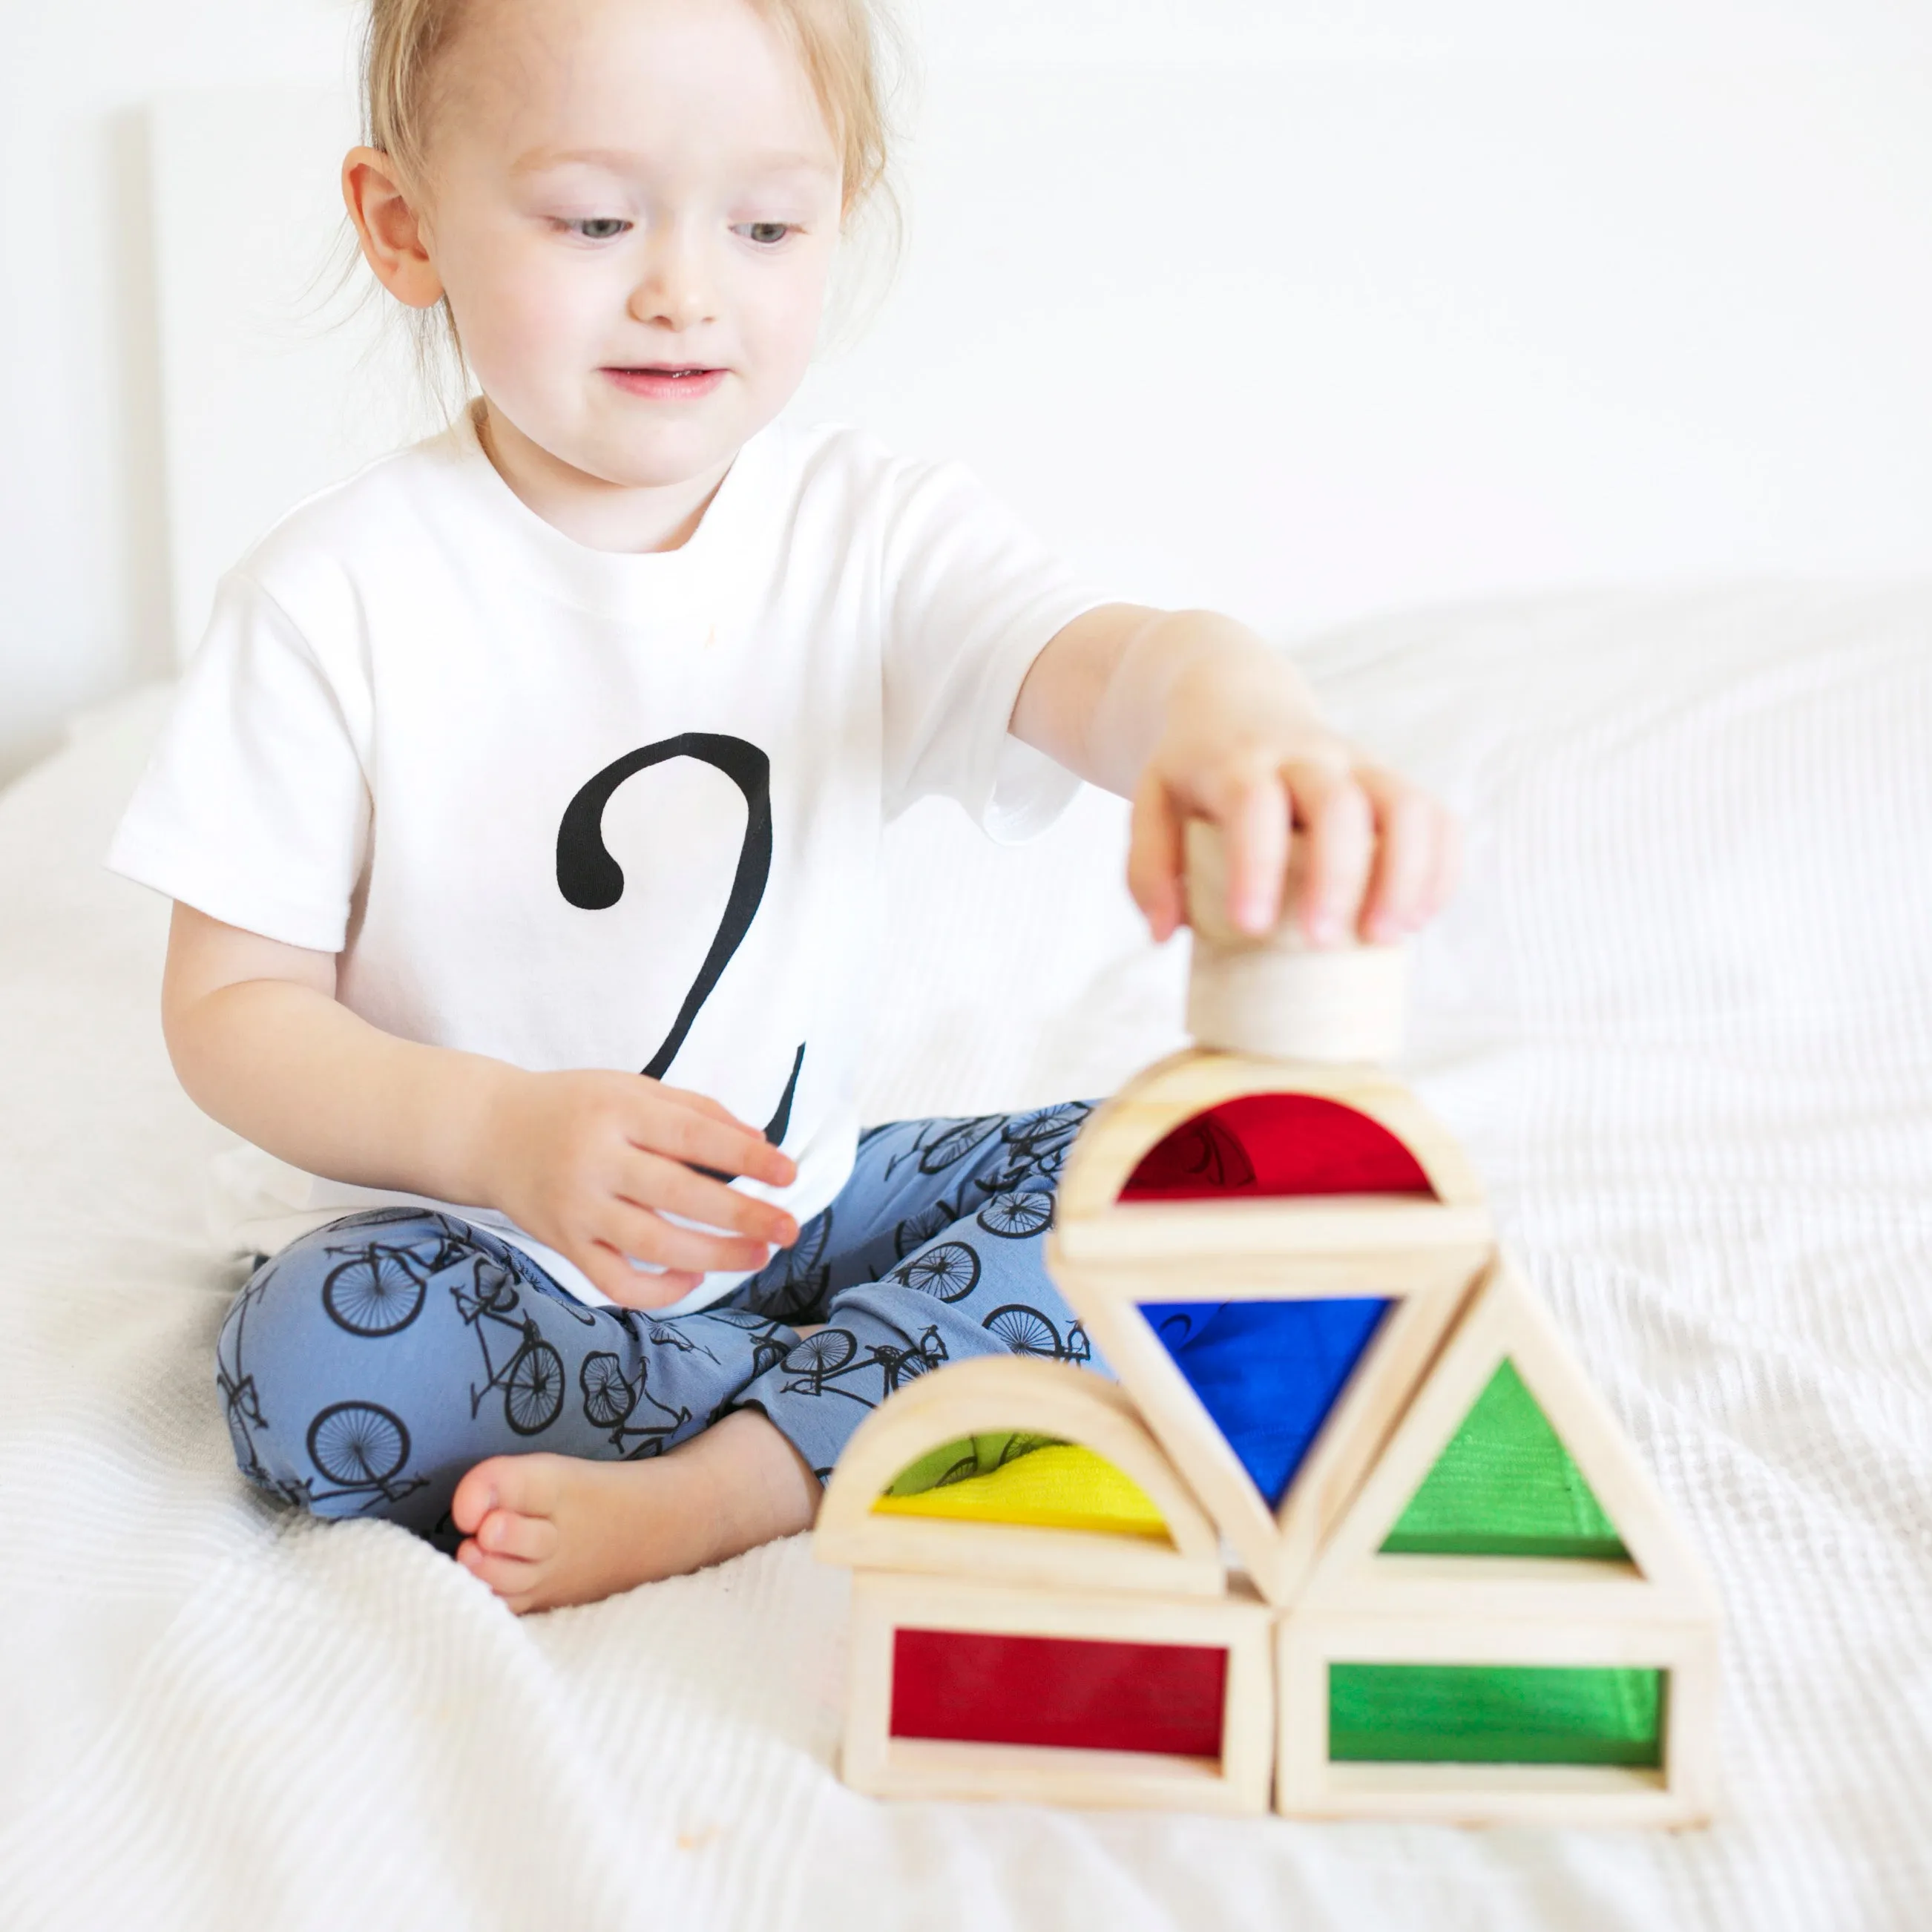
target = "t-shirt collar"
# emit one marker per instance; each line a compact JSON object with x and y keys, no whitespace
{"x":621,"y":582}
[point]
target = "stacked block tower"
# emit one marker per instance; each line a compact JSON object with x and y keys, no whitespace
{"x":1455,"y":1592}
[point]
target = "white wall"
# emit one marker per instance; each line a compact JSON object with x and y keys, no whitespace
{"x":1671,"y":254}
{"x":82,"y":578}
{"x":1300,"y":339}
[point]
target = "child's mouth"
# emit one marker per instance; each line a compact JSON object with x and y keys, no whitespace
{"x":660,"y":382}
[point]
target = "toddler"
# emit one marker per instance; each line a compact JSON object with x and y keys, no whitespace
{"x":522,"y":812}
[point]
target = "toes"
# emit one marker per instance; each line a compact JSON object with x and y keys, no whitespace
{"x":528,"y":1485}
{"x":475,"y":1497}
{"x":504,"y":1533}
{"x":510,"y":1577}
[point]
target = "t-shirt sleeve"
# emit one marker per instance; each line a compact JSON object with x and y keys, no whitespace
{"x":970,"y":599}
{"x":254,"y":808}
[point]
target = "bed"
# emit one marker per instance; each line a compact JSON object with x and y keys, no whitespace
{"x":1681,"y":1015}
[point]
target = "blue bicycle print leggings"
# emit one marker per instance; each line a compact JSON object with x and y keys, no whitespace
{"x":368,"y":1367}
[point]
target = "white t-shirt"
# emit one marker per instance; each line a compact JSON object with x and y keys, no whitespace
{"x":576,"y":809}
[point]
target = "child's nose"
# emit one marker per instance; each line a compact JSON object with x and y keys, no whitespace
{"x":675,"y":289}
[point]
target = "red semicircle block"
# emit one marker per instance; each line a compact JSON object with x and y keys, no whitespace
{"x":1260,"y":1144}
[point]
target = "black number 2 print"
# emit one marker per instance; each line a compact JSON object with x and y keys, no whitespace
{"x":592,"y":880}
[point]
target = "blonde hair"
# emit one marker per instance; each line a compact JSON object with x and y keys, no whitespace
{"x":838,"y":42}
{"x":842,"y":44}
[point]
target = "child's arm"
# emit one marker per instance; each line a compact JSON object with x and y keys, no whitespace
{"x":1191,"y":715}
{"x":580,"y":1160}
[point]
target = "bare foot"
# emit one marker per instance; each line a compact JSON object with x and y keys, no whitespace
{"x":546,"y":1530}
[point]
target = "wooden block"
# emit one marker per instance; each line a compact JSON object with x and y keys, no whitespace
{"x":1420,"y":1252}
{"x":1278,"y":1546}
{"x":1274,"y":993}
{"x":1665,"y":1580}
{"x":1340,"y":1244}
{"x":1076,"y":1638}
{"x":1680,"y":1791}
{"x":1339,"y":1007}
{"x":1016,"y":1393}
{"x":1017,"y":1476}
{"x":1122,"y":1131}
{"x":1060,"y":1693}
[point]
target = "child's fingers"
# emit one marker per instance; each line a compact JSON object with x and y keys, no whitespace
{"x":650,"y":1181}
{"x":1408,"y":828}
{"x":1340,"y":833}
{"x":610,"y":1271}
{"x":647,"y":1236}
{"x":1154,"y":859}
{"x":1255,"y":817}
{"x":702,"y":1103}
{"x":696,"y":1137}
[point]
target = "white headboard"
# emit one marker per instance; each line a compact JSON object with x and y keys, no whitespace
{"x":269,"y":389}
{"x":1298,"y":339}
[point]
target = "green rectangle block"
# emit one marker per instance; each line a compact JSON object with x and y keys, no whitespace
{"x":1489,"y":1714}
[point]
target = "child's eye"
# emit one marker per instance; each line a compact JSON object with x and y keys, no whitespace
{"x":599,"y":228}
{"x":766,"y":234}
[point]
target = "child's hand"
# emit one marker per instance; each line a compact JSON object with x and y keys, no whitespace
{"x":591,"y":1163}
{"x":1193,"y":715}
{"x":1370,"y":852}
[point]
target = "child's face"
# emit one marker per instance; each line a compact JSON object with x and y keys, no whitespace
{"x":622,"y":189}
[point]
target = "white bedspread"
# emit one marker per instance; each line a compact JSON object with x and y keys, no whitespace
{"x":1683,"y":1015}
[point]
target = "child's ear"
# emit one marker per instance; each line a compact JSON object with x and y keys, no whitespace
{"x":388,"y":228}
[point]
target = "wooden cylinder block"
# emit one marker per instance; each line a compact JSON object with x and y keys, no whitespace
{"x":1275,"y":994}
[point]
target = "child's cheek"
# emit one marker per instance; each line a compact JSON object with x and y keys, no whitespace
{"x":529,"y":332}
{"x":788,"y":322}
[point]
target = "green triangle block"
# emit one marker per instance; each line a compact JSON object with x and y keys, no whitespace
{"x":1506,"y":1486}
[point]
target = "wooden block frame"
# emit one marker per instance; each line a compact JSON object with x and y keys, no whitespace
{"x":1011,"y":1392}
{"x":1124,"y":1128}
{"x":1682,"y":1792}
{"x":874,"y":1762}
{"x":1108,"y":1258}
{"x":1665,"y":1580}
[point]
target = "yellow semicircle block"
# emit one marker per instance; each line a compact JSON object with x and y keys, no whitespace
{"x":1059,"y":1486}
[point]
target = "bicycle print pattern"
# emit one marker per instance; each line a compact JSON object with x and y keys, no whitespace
{"x":367,"y":1367}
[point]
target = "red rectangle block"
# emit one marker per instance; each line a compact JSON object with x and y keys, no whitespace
{"x":1071,"y":1693}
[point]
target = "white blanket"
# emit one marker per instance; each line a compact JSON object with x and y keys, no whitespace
{"x":1682,"y":1015}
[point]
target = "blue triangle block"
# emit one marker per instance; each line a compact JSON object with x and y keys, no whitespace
{"x":1268,"y":1372}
